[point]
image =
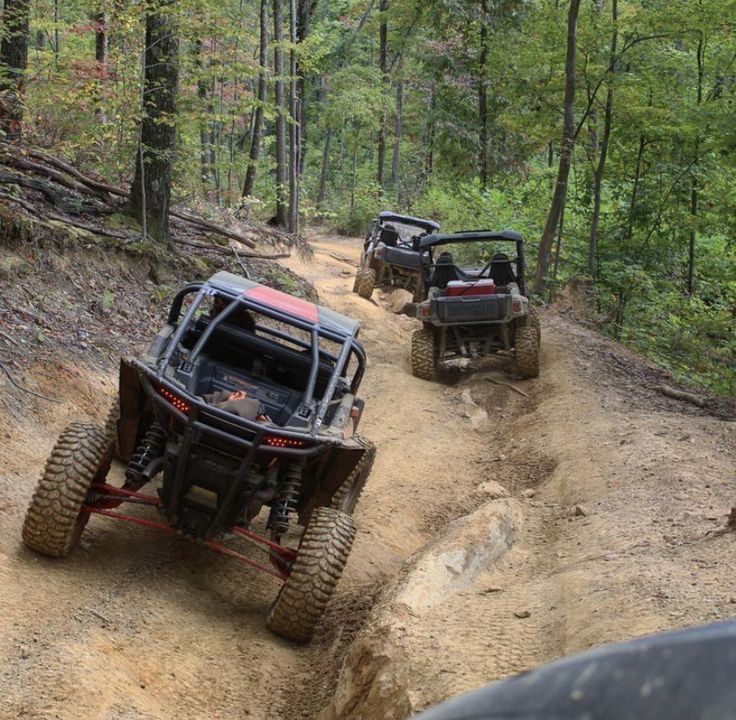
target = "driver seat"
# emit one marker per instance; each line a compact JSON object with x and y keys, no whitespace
{"x":444,"y":271}
{"x":501,"y":270}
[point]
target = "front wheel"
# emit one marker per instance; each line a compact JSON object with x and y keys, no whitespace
{"x":320,"y":560}
{"x":55,"y":521}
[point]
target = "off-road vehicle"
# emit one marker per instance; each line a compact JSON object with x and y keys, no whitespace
{"x":472,"y":310}
{"x":391,"y":256}
{"x":246,"y":398}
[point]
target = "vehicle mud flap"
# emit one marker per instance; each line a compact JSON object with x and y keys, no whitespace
{"x":335,"y":467}
{"x":132,"y":405}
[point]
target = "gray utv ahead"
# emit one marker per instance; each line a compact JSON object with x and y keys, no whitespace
{"x":474,"y":311}
{"x":391,"y":256}
{"x":289,"y":445}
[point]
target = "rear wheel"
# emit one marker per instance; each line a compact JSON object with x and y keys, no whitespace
{"x":348,"y":494}
{"x":423,"y":354}
{"x":365,"y":282}
{"x":54,"y":520}
{"x":527,"y":352}
{"x":320,"y":560}
{"x":534,"y":320}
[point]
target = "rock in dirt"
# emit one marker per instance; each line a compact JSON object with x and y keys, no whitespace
{"x":529,"y":493}
{"x":522,"y":614}
{"x":379,"y":669}
{"x":492,"y":490}
{"x":581,"y":511}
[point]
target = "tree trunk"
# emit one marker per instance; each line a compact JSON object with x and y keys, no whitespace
{"x":282,"y":218}
{"x":694,"y":184}
{"x":151,"y":189}
{"x":255,"y":146}
{"x":325,"y":169}
{"x":14,"y":59}
{"x":483,"y":95}
{"x":383,"y":32}
{"x":601,"y":167}
{"x":398,"y":132}
{"x":429,"y":158}
{"x":294,"y":135}
{"x":305,"y":11}
{"x":205,"y":135}
{"x":635,"y":187}
{"x":566,"y":149}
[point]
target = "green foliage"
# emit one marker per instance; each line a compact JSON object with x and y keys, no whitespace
{"x":672,"y":137}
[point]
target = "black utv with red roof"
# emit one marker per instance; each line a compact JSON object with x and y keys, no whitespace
{"x":391,"y":255}
{"x":245,"y":400}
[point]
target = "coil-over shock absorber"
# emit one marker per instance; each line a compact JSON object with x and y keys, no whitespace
{"x":140,"y":470}
{"x":287,"y":496}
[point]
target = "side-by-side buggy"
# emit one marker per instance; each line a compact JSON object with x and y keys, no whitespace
{"x":475,"y":302}
{"x":391,"y":256}
{"x":247,"y":398}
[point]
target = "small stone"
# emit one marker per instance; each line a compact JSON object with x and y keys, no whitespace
{"x":581,"y":511}
{"x":732,"y":599}
{"x":529,"y":493}
{"x":24,"y":652}
{"x":522,"y":614}
{"x":492,"y":589}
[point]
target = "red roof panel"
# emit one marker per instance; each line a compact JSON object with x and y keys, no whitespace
{"x":288,"y":304}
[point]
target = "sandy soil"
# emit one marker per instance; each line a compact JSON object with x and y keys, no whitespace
{"x":139,"y":625}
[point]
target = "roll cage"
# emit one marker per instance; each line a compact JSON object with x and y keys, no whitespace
{"x":429,"y":242}
{"x":328,"y":328}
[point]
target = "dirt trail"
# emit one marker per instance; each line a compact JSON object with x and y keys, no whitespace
{"x":137,"y":625}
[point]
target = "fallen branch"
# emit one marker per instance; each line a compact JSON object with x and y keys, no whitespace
{"x":91,"y":228}
{"x":72,"y":205}
{"x":681,"y":395}
{"x":342,"y":259}
{"x":240,"y":262}
{"x":25,"y":389}
{"x":225,"y":250}
{"x":55,"y":175}
{"x":207,"y":225}
{"x":11,"y":340}
{"x":507,"y":385}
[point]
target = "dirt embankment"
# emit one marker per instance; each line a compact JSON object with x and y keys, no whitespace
{"x":615,"y":496}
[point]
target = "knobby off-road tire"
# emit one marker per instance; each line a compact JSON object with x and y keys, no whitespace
{"x":348,"y":494}
{"x":536,"y":325}
{"x":321,"y":557}
{"x":54,"y":521}
{"x":365,"y":282}
{"x":527,"y":352}
{"x":111,"y":426}
{"x":423,"y":354}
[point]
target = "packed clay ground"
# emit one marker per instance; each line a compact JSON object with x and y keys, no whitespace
{"x":609,"y":503}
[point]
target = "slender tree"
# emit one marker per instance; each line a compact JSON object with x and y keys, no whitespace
{"x":282,"y":189}
{"x":566,"y":150}
{"x":483,"y":94}
{"x":151,"y":189}
{"x":255,"y":145}
{"x":14,"y":59}
{"x":294,"y":134}
{"x":383,"y":60}
{"x":603,"y":151}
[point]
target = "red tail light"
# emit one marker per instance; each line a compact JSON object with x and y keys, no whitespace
{"x":283,"y":442}
{"x":516,"y":306}
{"x":179,"y":403}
